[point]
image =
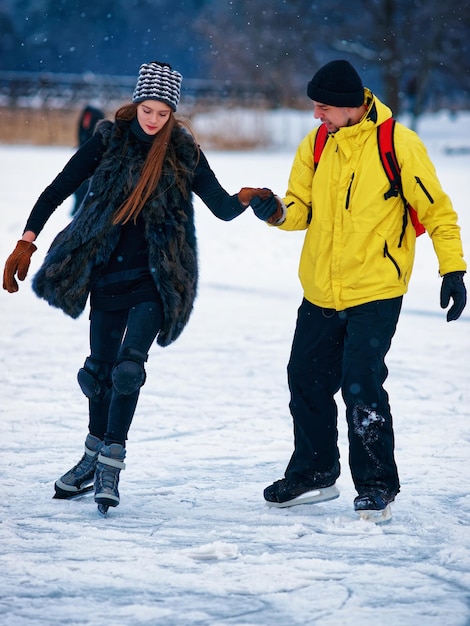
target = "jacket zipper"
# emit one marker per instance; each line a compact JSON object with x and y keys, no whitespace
{"x":387,"y":255}
{"x":348,"y":195}
{"x":428,"y":195}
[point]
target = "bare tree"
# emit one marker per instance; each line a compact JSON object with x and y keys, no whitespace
{"x":409,"y":44}
{"x":403,"y":46}
{"x":270,"y":44}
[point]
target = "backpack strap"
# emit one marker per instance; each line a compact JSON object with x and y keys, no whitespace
{"x":388,"y":157}
{"x":386,"y":146}
{"x":320,"y":140}
{"x":385,"y":133}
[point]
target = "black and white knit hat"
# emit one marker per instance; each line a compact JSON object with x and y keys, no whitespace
{"x":158,"y":81}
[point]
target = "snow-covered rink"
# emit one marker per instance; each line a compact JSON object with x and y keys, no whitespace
{"x":192,"y":542}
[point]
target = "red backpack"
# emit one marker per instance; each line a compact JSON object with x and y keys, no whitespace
{"x":389,"y":163}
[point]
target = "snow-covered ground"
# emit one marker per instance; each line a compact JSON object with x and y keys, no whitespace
{"x":192,"y":542}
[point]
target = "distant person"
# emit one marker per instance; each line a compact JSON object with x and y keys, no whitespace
{"x":133,"y":250}
{"x":89,"y":118}
{"x":355,"y":267}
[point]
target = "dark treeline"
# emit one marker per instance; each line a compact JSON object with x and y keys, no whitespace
{"x":413,"y":53}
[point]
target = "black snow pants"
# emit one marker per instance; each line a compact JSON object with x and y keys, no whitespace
{"x":344,"y":350}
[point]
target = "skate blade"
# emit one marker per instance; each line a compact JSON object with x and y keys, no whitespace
{"x":376,"y":517}
{"x":105,"y":502}
{"x":71,"y":495}
{"x":309,"y":497}
{"x":103,"y":509}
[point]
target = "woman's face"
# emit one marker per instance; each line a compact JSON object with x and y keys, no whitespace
{"x":152,"y":115}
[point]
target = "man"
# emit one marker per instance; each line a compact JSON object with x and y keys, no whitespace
{"x":355,"y":268}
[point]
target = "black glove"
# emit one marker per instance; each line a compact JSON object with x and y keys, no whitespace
{"x":453,"y":287}
{"x":264,"y":209}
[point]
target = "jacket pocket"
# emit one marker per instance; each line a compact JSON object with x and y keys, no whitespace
{"x":348,"y":194}
{"x":426,"y":192}
{"x":388,"y":256}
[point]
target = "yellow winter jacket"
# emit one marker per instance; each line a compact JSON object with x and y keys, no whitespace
{"x":352,"y":252}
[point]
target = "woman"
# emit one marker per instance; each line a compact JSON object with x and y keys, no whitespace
{"x":132,"y":248}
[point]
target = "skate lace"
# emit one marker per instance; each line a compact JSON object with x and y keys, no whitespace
{"x":85,"y":464}
{"x":107,"y":478}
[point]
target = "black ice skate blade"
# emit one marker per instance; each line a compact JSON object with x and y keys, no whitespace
{"x":103,"y":509}
{"x":72,"y":495}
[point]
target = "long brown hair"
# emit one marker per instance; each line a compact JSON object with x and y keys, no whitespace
{"x":152,"y":168}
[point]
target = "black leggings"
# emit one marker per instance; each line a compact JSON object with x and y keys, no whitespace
{"x":113,"y":334}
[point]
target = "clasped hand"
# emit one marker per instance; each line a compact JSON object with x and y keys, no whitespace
{"x":247,"y":194}
{"x":270,"y":209}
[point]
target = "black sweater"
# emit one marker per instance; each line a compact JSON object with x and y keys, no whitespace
{"x":126,"y":281}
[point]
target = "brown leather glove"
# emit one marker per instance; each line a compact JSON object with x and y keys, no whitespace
{"x":17,"y":263}
{"x":246,"y":194}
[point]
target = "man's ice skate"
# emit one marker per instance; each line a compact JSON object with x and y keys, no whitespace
{"x":284,"y":493}
{"x":374,"y":507}
{"x":109,"y":465}
{"x":79,"y":479}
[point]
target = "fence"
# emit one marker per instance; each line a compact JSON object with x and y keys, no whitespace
{"x":41,"y":90}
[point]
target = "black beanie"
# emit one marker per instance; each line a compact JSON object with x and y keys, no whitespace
{"x":338,"y":84}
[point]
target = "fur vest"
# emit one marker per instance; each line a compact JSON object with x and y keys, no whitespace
{"x":79,"y":252}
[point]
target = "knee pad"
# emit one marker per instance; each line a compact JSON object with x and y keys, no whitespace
{"x":129,"y":373}
{"x":94,"y":377}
